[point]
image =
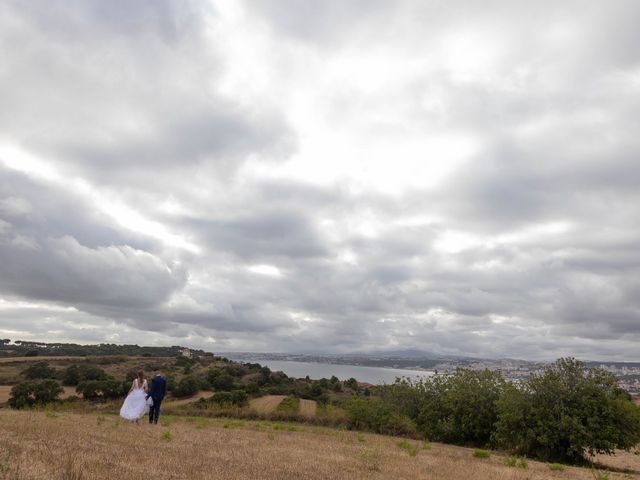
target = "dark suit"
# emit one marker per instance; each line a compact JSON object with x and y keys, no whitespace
{"x":156,"y":392}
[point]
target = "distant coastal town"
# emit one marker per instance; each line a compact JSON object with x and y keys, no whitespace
{"x":628,"y":373}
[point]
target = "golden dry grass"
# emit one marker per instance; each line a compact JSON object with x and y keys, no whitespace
{"x":37,"y":359}
{"x":266,"y":404}
{"x":308,"y":408}
{"x":87,"y":447}
{"x":170,"y":402}
{"x":5,"y":392}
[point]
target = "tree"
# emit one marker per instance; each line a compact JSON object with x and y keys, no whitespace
{"x":352,"y":383}
{"x":101,"y":389}
{"x":223,"y":382}
{"x":39,"y":370}
{"x":566,"y":412}
{"x":460,"y":408}
{"x":186,"y":387}
{"x":75,"y":374}
{"x":28,"y":394}
{"x":71,"y":376}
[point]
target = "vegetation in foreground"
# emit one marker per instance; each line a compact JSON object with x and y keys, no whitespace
{"x":91,"y":447}
{"x":566,"y":414}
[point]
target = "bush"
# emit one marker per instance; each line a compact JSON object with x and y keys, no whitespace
{"x":101,"y":389}
{"x":28,"y":394}
{"x":377,"y":416}
{"x":186,"y":387}
{"x":289,"y":404}
{"x":39,"y":370}
{"x":237,"y":398}
{"x":565,"y":413}
{"x":481,"y":454}
{"x":459,"y":408}
{"x":223,"y":382}
{"x":75,"y":374}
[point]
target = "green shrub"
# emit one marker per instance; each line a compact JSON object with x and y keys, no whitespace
{"x":556,"y":467}
{"x":75,"y":374}
{"x":409,"y":447}
{"x":289,"y":404}
{"x":25,"y":395}
{"x":460,"y":408}
{"x":222,"y":382}
{"x":237,"y":397}
{"x":516,"y":462}
{"x":39,"y":370}
{"x":565,"y":413}
{"x":186,"y":387}
{"x":377,"y":416}
{"x":101,"y":389}
{"x":481,"y":454}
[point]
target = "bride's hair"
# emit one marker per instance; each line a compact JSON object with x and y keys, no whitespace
{"x":140,"y":377}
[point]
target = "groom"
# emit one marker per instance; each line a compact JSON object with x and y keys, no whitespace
{"x":156,"y":392}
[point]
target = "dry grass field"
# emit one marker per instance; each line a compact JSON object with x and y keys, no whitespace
{"x":37,"y":359}
{"x":308,"y":408}
{"x":5,"y":392}
{"x":170,"y":402}
{"x":36,"y":445}
{"x":266,"y":404}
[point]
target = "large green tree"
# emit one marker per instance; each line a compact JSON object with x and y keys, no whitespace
{"x":565,"y":413}
{"x":460,"y":408}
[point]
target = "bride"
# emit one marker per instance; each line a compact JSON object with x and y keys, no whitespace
{"x":135,"y":405}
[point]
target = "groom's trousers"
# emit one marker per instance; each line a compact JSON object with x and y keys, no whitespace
{"x":154,"y":411}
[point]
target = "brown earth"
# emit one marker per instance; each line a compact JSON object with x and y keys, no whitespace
{"x":36,"y":445}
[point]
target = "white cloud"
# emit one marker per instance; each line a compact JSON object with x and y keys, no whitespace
{"x":333,"y":175}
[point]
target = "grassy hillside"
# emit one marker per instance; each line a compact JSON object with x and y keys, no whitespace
{"x":93,"y":446}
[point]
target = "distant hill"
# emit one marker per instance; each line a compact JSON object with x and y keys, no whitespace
{"x":22,"y":348}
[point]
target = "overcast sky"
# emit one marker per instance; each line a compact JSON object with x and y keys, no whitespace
{"x":456,"y":176}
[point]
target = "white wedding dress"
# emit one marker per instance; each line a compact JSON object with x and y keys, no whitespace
{"x":135,"y":405}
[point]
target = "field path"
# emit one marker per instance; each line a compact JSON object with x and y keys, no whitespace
{"x":266,"y":404}
{"x":308,"y":407}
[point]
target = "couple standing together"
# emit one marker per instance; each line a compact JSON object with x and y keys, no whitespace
{"x":142,"y":398}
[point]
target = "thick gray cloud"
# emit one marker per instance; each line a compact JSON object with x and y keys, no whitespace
{"x":455,"y":177}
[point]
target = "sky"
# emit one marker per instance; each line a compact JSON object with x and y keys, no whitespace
{"x":334,"y":176}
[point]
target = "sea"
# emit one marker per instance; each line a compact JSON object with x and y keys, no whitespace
{"x":373,"y":375}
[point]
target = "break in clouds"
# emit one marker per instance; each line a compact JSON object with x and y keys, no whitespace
{"x":457,"y":177}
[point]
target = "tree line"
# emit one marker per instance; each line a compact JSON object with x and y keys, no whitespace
{"x":565,"y":413}
{"x":23,"y":348}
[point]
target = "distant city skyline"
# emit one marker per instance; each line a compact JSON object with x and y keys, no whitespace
{"x":327,"y":176}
